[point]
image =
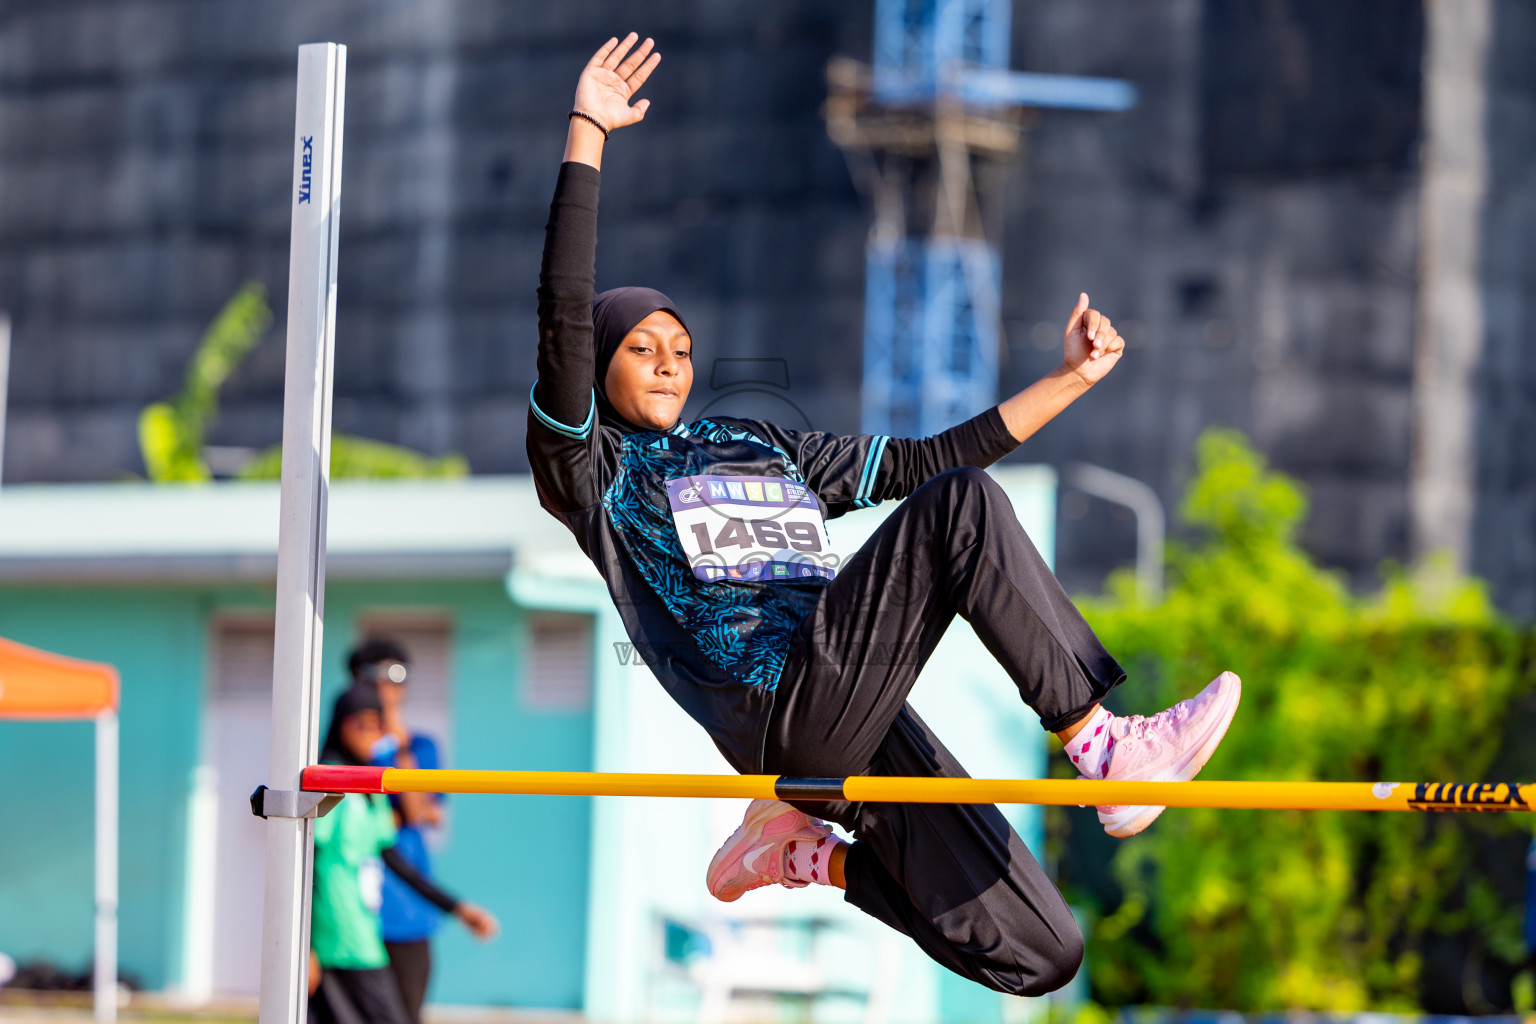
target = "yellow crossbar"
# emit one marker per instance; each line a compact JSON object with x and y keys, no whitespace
{"x":1296,"y":796}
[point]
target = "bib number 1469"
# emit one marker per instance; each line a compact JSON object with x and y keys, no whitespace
{"x":750,"y":528}
{"x":767,"y":534}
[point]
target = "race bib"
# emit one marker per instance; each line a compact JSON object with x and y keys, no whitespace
{"x":760,"y":529}
{"x":370,"y":883}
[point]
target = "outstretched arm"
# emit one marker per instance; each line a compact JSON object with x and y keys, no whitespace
{"x":477,"y":919}
{"x":420,"y":883}
{"x":863,"y":470}
{"x":611,"y":77}
{"x":1091,"y":348}
{"x":567,"y":274}
{"x":562,"y":411}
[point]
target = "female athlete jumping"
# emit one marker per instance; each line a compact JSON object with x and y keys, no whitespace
{"x":711,"y":537}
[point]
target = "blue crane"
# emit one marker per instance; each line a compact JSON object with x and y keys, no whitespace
{"x":938,"y":97}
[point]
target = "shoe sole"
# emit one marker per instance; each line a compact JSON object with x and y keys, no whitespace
{"x":1132,"y":820}
{"x":748,"y":833}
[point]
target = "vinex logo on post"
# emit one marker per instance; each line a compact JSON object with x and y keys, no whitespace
{"x":308,"y":142}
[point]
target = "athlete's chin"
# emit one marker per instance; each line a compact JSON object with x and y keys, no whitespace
{"x":661,"y":414}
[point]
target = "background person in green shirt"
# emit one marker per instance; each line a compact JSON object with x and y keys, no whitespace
{"x":352,"y":845}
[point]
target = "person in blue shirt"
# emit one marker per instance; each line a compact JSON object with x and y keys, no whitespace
{"x":1530,"y":905}
{"x":408,"y":921}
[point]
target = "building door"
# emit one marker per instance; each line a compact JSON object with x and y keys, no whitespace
{"x":227,"y":852}
{"x":232,"y":854}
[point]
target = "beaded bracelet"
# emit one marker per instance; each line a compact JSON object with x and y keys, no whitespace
{"x":588,"y":117}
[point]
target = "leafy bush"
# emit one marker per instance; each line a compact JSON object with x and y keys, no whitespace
{"x":172,"y":434}
{"x":1256,"y":910}
{"x":357,"y":458}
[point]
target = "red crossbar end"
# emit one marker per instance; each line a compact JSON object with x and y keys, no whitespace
{"x":341,"y":778}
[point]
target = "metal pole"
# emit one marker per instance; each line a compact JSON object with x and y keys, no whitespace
{"x":105,"y":982}
{"x":1151,"y":523}
{"x":5,"y":380}
{"x":301,"y":534}
{"x":1341,"y":796}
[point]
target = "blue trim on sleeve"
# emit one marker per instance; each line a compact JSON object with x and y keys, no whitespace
{"x":871,"y":470}
{"x":578,"y":433}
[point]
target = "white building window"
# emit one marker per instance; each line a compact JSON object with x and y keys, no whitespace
{"x":558,"y":666}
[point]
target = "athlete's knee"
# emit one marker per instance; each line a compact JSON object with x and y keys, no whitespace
{"x":1034,"y":949}
{"x":1046,"y":948}
{"x":961,"y":485}
{"x":976,"y":483}
{"x":1053,"y":963}
{"x":968,"y":477}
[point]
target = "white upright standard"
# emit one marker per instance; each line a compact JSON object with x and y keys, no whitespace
{"x":301,"y":536}
{"x":104,"y":981}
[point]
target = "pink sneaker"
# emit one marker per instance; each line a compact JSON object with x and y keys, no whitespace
{"x":1171,"y":746}
{"x":754,"y":855}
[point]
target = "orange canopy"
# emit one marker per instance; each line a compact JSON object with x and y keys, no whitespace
{"x":37,"y":684}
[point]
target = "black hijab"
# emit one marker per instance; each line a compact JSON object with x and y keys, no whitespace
{"x":359,"y":697}
{"x":614,"y":314}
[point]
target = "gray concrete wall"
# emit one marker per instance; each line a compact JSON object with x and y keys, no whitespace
{"x":144,"y":163}
{"x":1257,"y":243}
{"x":1504,"y":517}
{"x":1254,"y":226}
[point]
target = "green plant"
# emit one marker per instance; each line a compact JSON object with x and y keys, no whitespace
{"x":1255,"y":910}
{"x":1525,"y":993}
{"x":172,"y":434}
{"x":357,"y":458}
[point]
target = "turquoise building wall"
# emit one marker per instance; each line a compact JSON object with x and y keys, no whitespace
{"x":157,"y":640}
{"x":525,"y":859}
{"x":578,"y":909}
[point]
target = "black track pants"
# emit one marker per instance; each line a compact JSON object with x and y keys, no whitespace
{"x":956,"y":878}
{"x":411,"y":964}
{"x":358,"y":997}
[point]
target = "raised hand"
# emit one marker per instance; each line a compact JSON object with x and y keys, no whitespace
{"x":1091,"y":345}
{"x":612,"y":77}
